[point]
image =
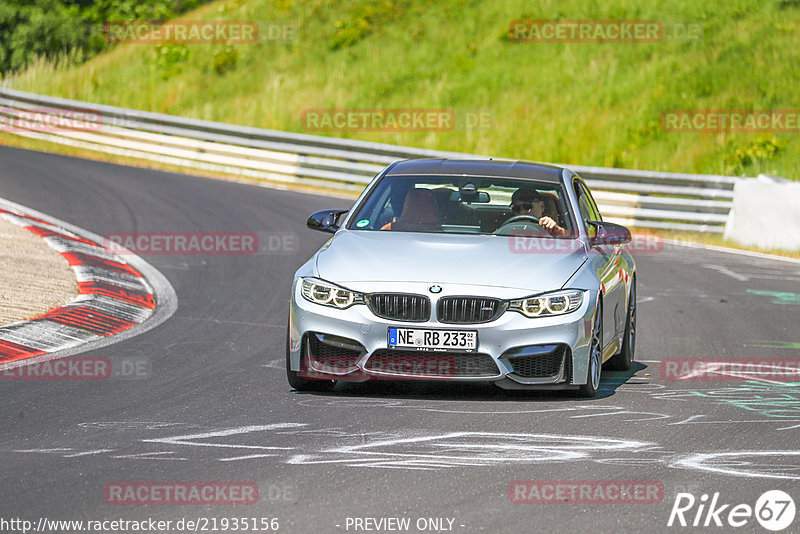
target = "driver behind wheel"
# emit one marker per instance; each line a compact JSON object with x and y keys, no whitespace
{"x":530,"y":202}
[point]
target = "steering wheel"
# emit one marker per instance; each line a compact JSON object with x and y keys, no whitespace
{"x":518,"y":218}
{"x":517,"y":223}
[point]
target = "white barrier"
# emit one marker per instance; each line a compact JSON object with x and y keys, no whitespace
{"x":646,"y":199}
{"x":765,"y":214}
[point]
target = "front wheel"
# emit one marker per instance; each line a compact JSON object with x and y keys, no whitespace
{"x":589,"y":389}
{"x":624,"y":360}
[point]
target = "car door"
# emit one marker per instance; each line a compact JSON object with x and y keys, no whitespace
{"x":607,"y":268}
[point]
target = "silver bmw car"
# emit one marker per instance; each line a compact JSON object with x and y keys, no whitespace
{"x":465,"y":270}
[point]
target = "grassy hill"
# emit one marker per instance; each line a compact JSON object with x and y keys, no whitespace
{"x":577,"y":102}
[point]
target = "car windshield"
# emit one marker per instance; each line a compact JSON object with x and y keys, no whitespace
{"x":464,"y":205}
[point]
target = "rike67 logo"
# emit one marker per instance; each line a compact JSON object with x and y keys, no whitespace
{"x":774,"y":510}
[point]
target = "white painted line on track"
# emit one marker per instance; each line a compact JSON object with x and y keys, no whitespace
{"x":247,"y":457}
{"x":727,"y":272}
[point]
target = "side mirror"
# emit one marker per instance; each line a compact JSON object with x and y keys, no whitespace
{"x":325,"y":220}
{"x":607,"y":233}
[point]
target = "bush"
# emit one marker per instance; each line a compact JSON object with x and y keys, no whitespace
{"x":169,"y":58}
{"x":363,"y":19}
{"x":55,"y":29}
{"x":757,"y":152}
{"x":225,"y":60}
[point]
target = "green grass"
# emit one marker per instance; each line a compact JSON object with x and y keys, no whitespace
{"x":578,"y":103}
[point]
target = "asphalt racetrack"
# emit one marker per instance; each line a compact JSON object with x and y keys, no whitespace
{"x":214,"y":404}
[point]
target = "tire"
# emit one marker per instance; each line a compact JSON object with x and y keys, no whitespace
{"x":624,"y":360}
{"x":295,"y":378}
{"x":589,"y":389}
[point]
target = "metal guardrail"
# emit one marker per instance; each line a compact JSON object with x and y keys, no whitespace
{"x":636,"y":198}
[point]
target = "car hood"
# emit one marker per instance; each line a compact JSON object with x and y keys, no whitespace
{"x":484,"y":260}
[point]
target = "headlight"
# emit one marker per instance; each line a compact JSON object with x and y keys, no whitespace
{"x":327,"y":294}
{"x":547,"y":305}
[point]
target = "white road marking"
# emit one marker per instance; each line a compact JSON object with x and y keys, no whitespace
{"x":148,"y":456}
{"x":426,"y":452}
{"x":130,"y":425}
{"x":723,"y":369}
{"x":45,"y":451}
{"x":187,"y":439}
{"x":472,"y":449}
{"x":737,"y":464}
{"x":724,"y":270}
{"x":87,"y":453}
{"x":247,"y":457}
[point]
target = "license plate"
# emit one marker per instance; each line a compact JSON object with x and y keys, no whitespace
{"x":421,"y":338}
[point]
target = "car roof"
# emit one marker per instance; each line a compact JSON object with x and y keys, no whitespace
{"x":478,"y":167}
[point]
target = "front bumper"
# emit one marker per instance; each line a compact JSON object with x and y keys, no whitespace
{"x":514,"y":351}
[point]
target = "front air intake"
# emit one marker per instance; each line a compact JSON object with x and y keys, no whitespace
{"x":400,"y":306}
{"x":468,"y":310}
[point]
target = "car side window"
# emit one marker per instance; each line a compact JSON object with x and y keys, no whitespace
{"x":587,"y":207}
{"x":592,"y":205}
